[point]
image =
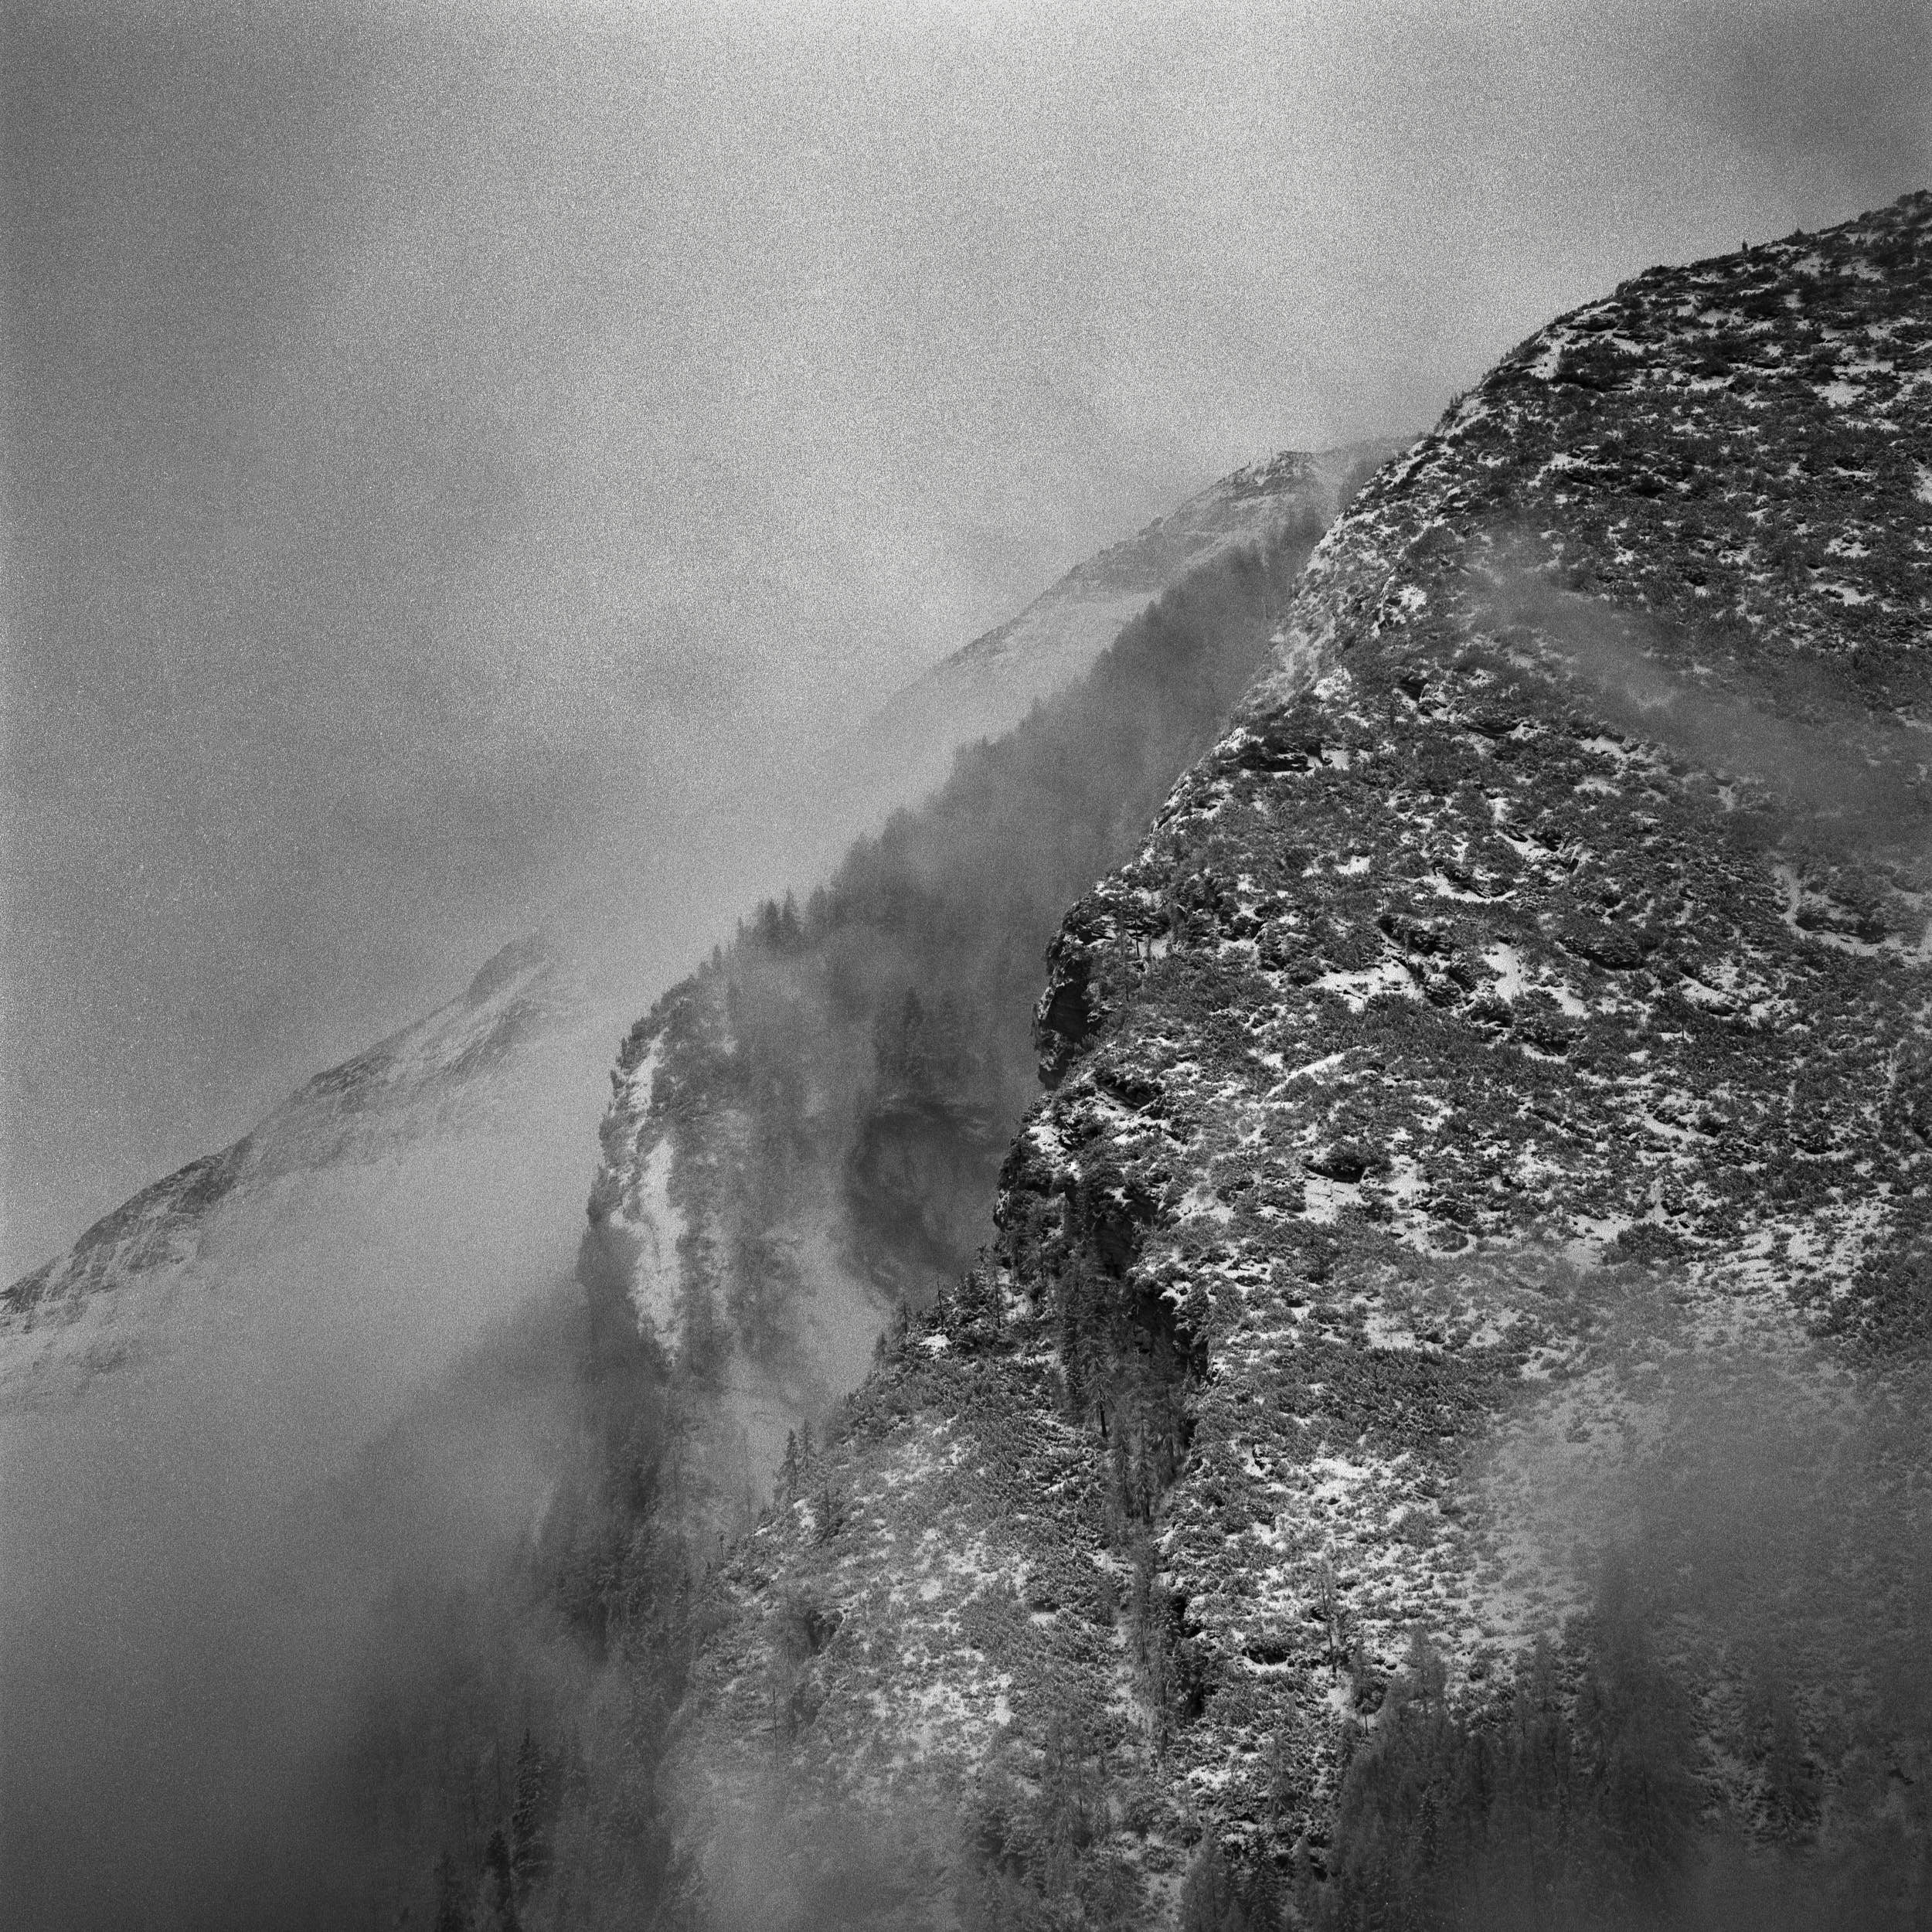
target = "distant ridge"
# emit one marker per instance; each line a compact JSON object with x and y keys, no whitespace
{"x":987,"y":686}
{"x":454,"y":1095}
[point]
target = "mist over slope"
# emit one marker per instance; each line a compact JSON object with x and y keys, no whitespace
{"x":1510,"y":1038}
{"x":177,"y":1389}
{"x":806,"y":1135}
{"x":493,"y":1077}
{"x":334,"y":1504}
{"x":987,"y":686}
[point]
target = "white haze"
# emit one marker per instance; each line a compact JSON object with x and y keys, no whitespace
{"x":187,"y":1625}
{"x":460,"y":460}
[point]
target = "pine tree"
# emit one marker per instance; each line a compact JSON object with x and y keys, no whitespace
{"x":502,"y":1885}
{"x":1211,"y":1899}
{"x":530,"y":1818}
{"x":452,"y":1909}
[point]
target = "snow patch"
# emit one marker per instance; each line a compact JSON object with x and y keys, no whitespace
{"x":657,"y":1226}
{"x":1513,"y":981}
{"x":1506,"y":963}
{"x":1386,"y":976}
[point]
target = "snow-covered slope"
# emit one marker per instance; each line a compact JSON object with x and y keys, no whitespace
{"x":1509,"y":1044}
{"x":410,"y":1194}
{"x":988,"y":685}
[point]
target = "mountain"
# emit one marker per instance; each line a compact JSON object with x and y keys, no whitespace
{"x":986,"y":687}
{"x":1454,"y":1349}
{"x":486,"y":1061}
{"x":420,"y":1159}
{"x":805,"y":1136}
{"x":322,"y":1487}
{"x":1424,"y":1423}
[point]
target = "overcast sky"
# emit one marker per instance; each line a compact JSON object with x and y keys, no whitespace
{"x":457,"y":457}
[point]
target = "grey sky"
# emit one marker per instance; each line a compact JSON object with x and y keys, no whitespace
{"x":457,"y":459}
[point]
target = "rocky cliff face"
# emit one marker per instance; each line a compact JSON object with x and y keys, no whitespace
{"x":1509,"y":1046}
{"x":986,"y":687}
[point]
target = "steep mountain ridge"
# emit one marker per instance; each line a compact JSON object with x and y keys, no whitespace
{"x":1509,"y":1041}
{"x":987,"y":686}
{"x":480,"y":1061}
{"x":807,"y":1132}
{"x":308,"y":1390}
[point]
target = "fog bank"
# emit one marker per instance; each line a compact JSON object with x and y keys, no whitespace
{"x":456,"y":459}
